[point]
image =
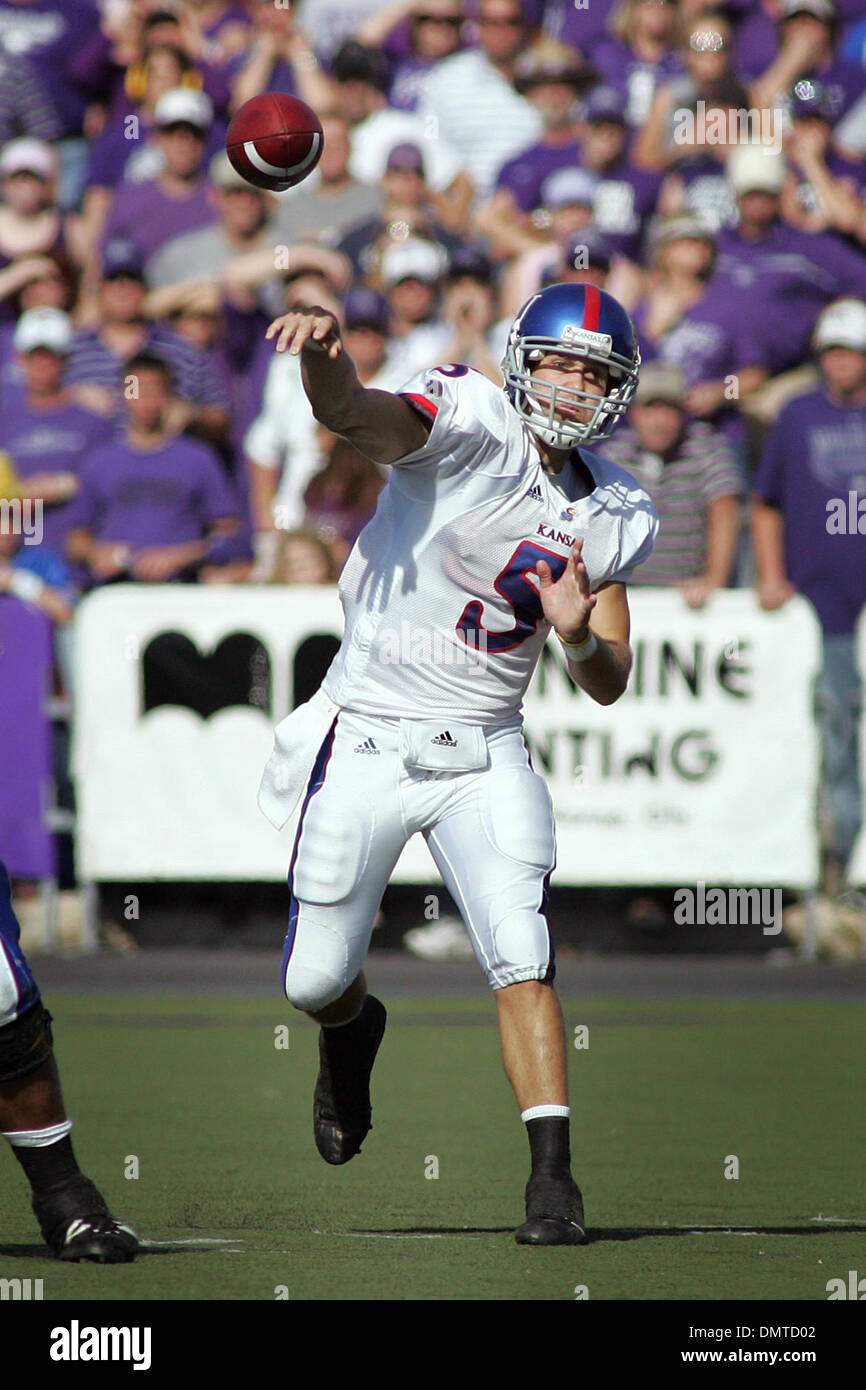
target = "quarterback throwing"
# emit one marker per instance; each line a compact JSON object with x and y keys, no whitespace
{"x":497,"y":524}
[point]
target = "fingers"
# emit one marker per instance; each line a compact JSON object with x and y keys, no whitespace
{"x":578,"y":568}
{"x":545,"y":574}
{"x":293,"y":331}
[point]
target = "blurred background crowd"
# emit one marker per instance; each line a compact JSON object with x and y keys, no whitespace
{"x":704,"y":161}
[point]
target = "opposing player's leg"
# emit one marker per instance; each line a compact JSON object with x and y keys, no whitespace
{"x":71,"y":1212}
{"x":348,"y":840}
{"x":495,"y":849}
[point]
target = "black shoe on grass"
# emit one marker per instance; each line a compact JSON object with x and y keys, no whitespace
{"x":554,"y":1212}
{"x":341,"y":1104}
{"x":94,"y":1240}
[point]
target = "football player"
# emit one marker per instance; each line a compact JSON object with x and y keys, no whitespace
{"x":71,"y":1212}
{"x":497,"y":525}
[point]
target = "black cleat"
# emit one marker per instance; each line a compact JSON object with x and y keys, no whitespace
{"x":554,"y":1212}
{"x":94,"y":1240}
{"x":341,"y":1104}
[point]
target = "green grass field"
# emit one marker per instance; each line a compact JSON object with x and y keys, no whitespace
{"x":235,"y":1203}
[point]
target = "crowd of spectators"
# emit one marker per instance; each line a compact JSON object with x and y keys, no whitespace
{"x":704,"y":160}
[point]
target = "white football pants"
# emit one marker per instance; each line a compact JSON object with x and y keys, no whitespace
{"x":490,"y":833}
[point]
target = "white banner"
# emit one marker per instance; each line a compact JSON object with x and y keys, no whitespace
{"x":705,"y":770}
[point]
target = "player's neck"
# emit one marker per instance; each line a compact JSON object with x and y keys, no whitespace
{"x":552,"y":460}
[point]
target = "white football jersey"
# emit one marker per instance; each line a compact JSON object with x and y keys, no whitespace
{"x":440,"y":592}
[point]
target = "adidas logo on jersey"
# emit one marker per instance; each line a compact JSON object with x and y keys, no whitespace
{"x":444,"y":740}
{"x":368,"y":746}
{"x":535,"y":493}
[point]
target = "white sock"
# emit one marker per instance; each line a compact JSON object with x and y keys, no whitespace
{"x":38,"y":1138}
{"x":538,"y":1112}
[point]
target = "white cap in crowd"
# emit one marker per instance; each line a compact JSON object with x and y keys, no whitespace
{"x":841,"y":324}
{"x":43,"y":328}
{"x":413,"y":260}
{"x":184,"y":105}
{"x":28,"y":156}
{"x":756,"y":168}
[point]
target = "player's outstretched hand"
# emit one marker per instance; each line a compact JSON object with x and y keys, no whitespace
{"x":315,"y":327}
{"x":567,"y":602}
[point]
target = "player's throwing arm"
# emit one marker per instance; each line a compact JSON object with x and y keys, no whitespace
{"x":381,"y":425}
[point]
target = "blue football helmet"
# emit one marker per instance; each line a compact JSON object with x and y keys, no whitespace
{"x":582,"y":321}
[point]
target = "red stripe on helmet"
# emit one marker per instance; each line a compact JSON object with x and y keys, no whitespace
{"x":592,"y":307}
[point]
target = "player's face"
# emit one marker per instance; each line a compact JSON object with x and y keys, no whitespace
{"x":844,"y":369}
{"x":572,"y":374}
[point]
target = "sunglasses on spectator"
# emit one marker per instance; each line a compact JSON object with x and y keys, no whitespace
{"x":516,"y":22}
{"x":453,"y":20}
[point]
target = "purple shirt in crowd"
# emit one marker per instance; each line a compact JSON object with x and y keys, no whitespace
{"x":148,"y":217}
{"x":524,"y":175}
{"x":706,"y":190}
{"x":115,"y":158}
{"x":756,"y":44}
{"x":789,"y":276}
{"x":714,"y":339}
{"x":51,"y":441}
{"x":618,"y":67}
{"x":93,"y":363}
{"x":581,"y":27}
{"x":143,"y":498}
{"x":48,"y":33}
{"x":623,"y":200}
{"x":815,"y":455}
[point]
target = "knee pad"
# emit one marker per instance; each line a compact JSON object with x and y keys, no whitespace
{"x":332,"y":853}
{"x":316,"y":971}
{"x":26,"y":1043}
{"x":519,"y":933}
